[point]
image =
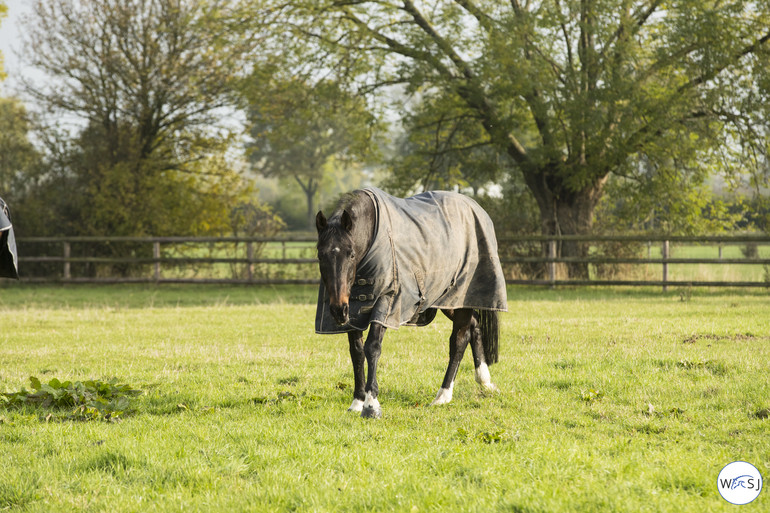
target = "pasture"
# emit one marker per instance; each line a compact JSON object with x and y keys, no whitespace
{"x":610,"y":400}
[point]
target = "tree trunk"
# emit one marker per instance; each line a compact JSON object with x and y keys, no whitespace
{"x":310,"y":189}
{"x":566,"y":212}
{"x":310,"y":210}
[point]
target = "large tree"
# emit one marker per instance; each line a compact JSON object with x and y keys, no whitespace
{"x":149,"y":83}
{"x":571,"y":90}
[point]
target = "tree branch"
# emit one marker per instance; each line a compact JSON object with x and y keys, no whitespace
{"x":638,"y":19}
{"x":471,"y":91}
{"x":397,"y":47}
{"x":456,"y":149}
{"x":484,"y":20}
{"x":749,"y":49}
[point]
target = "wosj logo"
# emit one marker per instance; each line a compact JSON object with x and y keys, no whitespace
{"x":739,"y":482}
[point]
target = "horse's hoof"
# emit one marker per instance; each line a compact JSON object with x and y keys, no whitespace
{"x":371,"y":413}
{"x":489,"y":388}
{"x":371,"y":409}
{"x":444,"y":396}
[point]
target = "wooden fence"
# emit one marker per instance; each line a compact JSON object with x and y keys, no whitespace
{"x":527,"y":260}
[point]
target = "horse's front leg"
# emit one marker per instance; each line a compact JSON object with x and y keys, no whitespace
{"x":372,"y":349}
{"x":356,"y":340}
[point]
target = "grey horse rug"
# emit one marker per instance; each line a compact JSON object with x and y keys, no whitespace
{"x":8,"y":259}
{"x":431,"y":251}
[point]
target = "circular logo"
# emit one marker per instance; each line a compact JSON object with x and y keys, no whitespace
{"x":739,"y":482}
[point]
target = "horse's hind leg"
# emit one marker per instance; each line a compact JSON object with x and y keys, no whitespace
{"x":479,"y":359}
{"x":356,"y":340}
{"x":463,"y":327}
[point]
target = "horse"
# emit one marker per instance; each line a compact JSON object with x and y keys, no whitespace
{"x":387,"y":262}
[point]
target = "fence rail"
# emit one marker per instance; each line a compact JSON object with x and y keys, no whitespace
{"x":291,"y":260}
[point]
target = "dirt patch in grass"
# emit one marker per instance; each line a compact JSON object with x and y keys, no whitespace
{"x":740,"y":337}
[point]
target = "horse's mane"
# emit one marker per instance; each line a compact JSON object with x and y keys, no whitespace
{"x":347,"y":200}
{"x":353,"y":202}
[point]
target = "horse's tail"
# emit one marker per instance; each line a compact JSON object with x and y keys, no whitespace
{"x":490,"y":334}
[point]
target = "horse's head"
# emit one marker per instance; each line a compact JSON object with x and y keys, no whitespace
{"x":337,"y":261}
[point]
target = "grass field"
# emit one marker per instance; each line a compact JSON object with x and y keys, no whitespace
{"x":610,"y":400}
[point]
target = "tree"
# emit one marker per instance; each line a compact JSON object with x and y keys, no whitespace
{"x":150,"y":83}
{"x":17,"y":154}
{"x":571,"y":90}
{"x":672,"y":199}
{"x":297,"y":127}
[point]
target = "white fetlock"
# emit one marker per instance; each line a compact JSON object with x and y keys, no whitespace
{"x":357,"y":406}
{"x":482,"y":376}
{"x":443,"y":396}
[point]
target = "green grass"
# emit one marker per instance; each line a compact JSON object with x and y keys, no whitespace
{"x":704,"y":272}
{"x":610,"y":400}
{"x":275,"y":250}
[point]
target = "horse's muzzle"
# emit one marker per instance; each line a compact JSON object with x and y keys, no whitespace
{"x":340,"y":313}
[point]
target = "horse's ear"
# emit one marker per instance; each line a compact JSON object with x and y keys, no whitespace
{"x":320,"y":221}
{"x":346,"y":221}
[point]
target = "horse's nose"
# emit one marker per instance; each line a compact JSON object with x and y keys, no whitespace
{"x":340,"y":313}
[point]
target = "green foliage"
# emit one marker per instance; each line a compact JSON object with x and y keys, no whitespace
{"x":91,"y":399}
{"x":157,"y":153}
{"x":443,"y":148}
{"x":252,"y":218}
{"x":487,"y":437}
{"x":591,"y":395}
{"x":19,"y":156}
{"x":665,"y":198}
{"x":285,"y":196}
{"x":299,"y":127}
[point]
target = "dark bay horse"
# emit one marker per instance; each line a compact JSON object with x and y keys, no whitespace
{"x":387,"y":262}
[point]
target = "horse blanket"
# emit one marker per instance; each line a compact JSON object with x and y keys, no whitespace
{"x":8,"y":259}
{"x":431,"y":251}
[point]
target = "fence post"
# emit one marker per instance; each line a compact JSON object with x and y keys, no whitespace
{"x":551,"y":263}
{"x":67,"y":253}
{"x":156,"y":257}
{"x":250,"y":258}
{"x":665,"y":265}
